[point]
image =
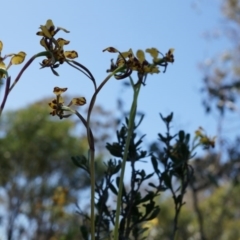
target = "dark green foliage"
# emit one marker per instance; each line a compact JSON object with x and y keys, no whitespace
{"x":171,"y":171}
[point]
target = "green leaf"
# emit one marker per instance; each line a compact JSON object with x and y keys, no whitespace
{"x":181,"y":135}
{"x":149,"y":207}
{"x":115,"y":149}
{"x":167,"y":179}
{"x":149,"y":197}
{"x":84,"y":232}
{"x":152,"y":185}
{"x":154,"y":214}
{"x":149,"y":176}
{"x":113,"y":189}
{"x":80,"y":161}
{"x":155,"y":164}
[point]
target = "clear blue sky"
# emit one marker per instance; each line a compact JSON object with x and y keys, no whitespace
{"x":95,"y":25}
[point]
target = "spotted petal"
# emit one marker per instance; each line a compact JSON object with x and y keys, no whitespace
{"x":71,"y":54}
{"x":47,"y":30}
{"x":59,"y":91}
{"x":61,"y":42}
{"x":110,"y":49}
{"x":78,"y":101}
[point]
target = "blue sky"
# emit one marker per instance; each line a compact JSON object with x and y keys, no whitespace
{"x":122,"y":24}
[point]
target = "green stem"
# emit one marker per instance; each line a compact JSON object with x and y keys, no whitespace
{"x":92,"y":150}
{"x":92,"y":172}
{"x":136,"y":89}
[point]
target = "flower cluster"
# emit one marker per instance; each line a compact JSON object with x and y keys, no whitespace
{"x":54,"y":46}
{"x":15,"y":60}
{"x":204,"y":139}
{"x":58,"y":107}
{"x":139,"y":63}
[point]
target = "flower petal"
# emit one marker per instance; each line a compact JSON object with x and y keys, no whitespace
{"x":53,"y":104}
{"x":79,"y":101}
{"x":59,"y":91}
{"x":151,"y":69}
{"x":1,"y":46}
{"x":60,"y":99}
{"x":110,"y":49}
{"x":153,"y":52}
{"x":47,"y":29}
{"x":53,"y":113}
{"x":18,"y":58}
{"x":49,"y":24}
{"x":61,"y":42}
{"x":71,"y":54}
{"x":128,"y":54}
{"x":63,"y":29}
{"x":141,"y":56}
{"x":2,"y":65}
{"x":169,"y":55}
{"x":44,"y":32}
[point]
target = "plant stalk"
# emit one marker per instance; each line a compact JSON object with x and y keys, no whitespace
{"x":136,"y":90}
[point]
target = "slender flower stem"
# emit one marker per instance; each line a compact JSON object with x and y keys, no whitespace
{"x":92,"y":150}
{"x":8,"y":82}
{"x":136,"y":90}
{"x":26,"y":66}
{"x":9,"y":88}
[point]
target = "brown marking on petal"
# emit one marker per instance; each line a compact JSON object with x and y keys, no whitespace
{"x":59,"y":91}
{"x":53,"y":113}
{"x":110,"y":49}
{"x":62,"y":41}
{"x":78,"y":101}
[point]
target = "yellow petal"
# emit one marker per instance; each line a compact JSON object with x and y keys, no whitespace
{"x":49,"y":24}
{"x":151,"y":69}
{"x":153,"y":52}
{"x":52,"y":104}
{"x":45,"y":32}
{"x":110,"y":49}
{"x":1,"y":46}
{"x":120,"y":62}
{"x":18,"y":58}
{"x":128,"y":54}
{"x":58,"y":90}
{"x":140,"y":55}
{"x":79,"y":101}
{"x":2,"y":65}
{"x":171,"y":50}
{"x":60,"y":99}
{"x":61,"y":42}
{"x":71,"y":54}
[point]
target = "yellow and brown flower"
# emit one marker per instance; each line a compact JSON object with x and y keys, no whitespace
{"x":55,"y":47}
{"x":15,"y":60}
{"x":204,"y":140}
{"x":139,"y":63}
{"x":58,"y":107}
